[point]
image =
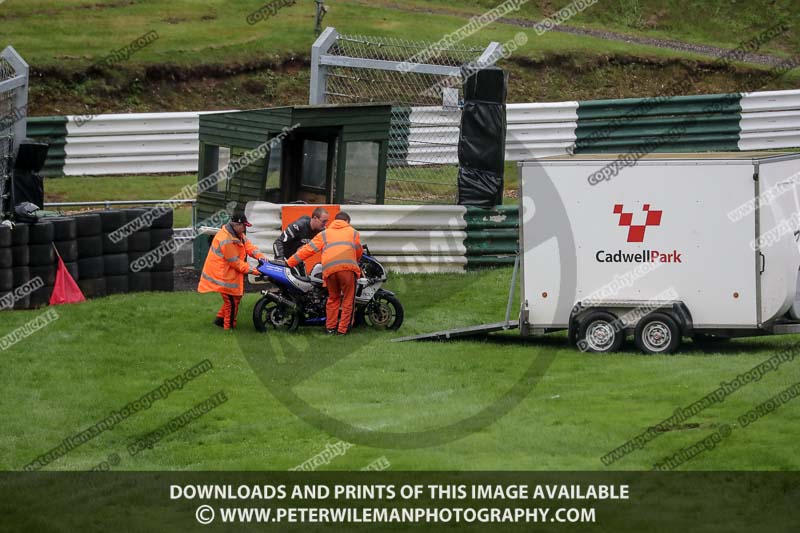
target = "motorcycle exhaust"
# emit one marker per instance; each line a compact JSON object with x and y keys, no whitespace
{"x":278,"y":299}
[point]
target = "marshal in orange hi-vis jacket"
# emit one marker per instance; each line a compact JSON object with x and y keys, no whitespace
{"x":226,"y":266}
{"x":341,"y":250}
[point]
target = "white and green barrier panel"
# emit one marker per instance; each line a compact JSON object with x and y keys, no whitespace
{"x":406,"y":238}
{"x":167,"y":142}
{"x":139,"y":143}
{"x":52,"y":130}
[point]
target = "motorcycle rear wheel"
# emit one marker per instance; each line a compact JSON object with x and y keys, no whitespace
{"x":268,"y":313}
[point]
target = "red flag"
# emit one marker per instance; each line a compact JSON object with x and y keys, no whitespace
{"x":65,"y":290}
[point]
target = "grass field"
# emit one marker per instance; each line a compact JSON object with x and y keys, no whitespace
{"x":290,"y":395}
{"x":493,"y":404}
{"x":101,"y":188}
{"x":208,"y":57}
{"x":194,"y":32}
{"x":407,"y":185}
{"x":726,"y":23}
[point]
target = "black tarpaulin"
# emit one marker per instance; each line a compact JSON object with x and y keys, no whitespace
{"x":28,"y":183}
{"x":482,"y":139}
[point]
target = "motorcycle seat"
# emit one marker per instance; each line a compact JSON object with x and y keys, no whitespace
{"x":299,"y":274}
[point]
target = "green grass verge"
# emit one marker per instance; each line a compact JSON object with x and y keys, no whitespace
{"x":100,"y":355}
{"x":100,"y":188}
{"x":194,"y":33}
{"x":722,"y":23}
{"x":406,"y":185}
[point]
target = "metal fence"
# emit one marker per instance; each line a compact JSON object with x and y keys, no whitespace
{"x":425,"y":97}
{"x":13,"y":110}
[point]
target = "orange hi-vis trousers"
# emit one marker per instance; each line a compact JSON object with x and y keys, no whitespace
{"x":229,"y":310}
{"x":341,"y":297}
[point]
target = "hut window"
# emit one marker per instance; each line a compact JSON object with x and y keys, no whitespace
{"x":216,"y":158}
{"x":315,"y":161}
{"x":274,"y":167}
{"x":361,"y":173}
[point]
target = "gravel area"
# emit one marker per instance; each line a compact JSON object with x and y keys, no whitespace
{"x":186,"y":279}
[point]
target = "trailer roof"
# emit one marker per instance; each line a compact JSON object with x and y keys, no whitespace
{"x":703,"y":156}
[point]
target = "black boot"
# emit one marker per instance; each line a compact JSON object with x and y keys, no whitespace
{"x":219,"y":322}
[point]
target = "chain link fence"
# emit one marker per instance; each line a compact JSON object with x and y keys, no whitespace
{"x":422,"y":161}
{"x":7,"y":114}
{"x":13,"y":107}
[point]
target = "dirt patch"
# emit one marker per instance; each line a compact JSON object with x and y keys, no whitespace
{"x":165,"y":88}
{"x":186,"y":279}
{"x":679,"y":427}
{"x":56,"y":90}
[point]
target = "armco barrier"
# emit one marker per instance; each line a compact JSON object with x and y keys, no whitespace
{"x":167,"y":142}
{"x":770,"y":120}
{"x":492,"y":235}
{"x":419,"y":238}
{"x":52,"y":130}
{"x":404,"y":238}
{"x":140,"y":143}
{"x":150,"y":143}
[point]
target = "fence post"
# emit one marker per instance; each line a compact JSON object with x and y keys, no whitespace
{"x":319,"y":72}
{"x":18,"y":84}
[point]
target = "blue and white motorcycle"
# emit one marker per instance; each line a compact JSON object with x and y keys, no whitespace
{"x":294,"y":298}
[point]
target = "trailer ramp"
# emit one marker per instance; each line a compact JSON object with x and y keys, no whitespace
{"x":474,"y":331}
{"x":471,"y":331}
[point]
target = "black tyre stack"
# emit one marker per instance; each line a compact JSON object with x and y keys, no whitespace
{"x":42,"y":260}
{"x":138,"y":246}
{"x":115,"y":252}
{"x":100,"y":265}
{"x":20,"y":261}
{"x":65,"y":238}
{"x":162,"y":277}
{"x":89,"y":240}
{"x":6,"y":263}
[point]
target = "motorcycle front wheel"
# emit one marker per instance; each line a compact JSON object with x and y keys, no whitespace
{"x":383,"y":312}
{"x":268,"y":313}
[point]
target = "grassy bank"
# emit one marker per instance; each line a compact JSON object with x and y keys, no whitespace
{"x":291,"y":394}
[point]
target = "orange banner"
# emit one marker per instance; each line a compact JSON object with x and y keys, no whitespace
{"x":290,"y":213}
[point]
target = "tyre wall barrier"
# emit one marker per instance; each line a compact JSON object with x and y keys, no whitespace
{"x":100,"y":266}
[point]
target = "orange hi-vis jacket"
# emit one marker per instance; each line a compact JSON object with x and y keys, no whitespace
{"x":341,"y":249}
{"x":226,"y":263}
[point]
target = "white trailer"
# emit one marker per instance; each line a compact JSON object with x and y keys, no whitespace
{"x":659,"y":248}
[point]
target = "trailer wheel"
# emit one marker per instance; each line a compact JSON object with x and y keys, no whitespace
{"x":657,"y":333}
{"x":597,"y":333}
